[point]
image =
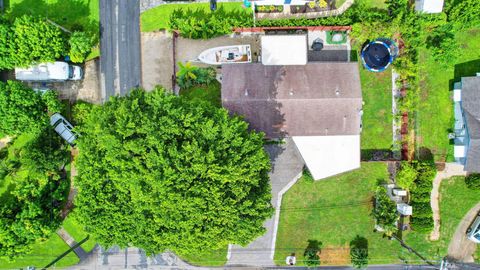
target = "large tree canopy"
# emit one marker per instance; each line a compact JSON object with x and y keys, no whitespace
{"x":32,"y":191}
{"x":160,"y":172}
{"x":24,"y":110}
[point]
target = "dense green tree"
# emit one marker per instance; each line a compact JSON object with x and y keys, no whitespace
{"x":160,"y":172}
{"x":396,"y":7}
{"x":22,"y":109}
{"x":6,"y":37}
{"x":359,"y":252}
{"x":35,"y":40}
{"x":36,"y":190}
{"x":80,"y":46}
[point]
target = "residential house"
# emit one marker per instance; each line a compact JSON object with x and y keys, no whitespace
{"x":467,"y":123}
{"x":317,"y":104}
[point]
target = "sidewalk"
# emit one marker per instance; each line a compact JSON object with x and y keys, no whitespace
{"x":81,"y":253}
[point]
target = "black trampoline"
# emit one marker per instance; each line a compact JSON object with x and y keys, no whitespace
{"x":378,"y":55}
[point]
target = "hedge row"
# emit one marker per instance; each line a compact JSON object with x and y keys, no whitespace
{"x":422,"y":217}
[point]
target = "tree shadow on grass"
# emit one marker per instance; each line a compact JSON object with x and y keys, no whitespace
{"x":359,"y":252}
{"x":310,"y":255}
{"x":72,"y":14}
{"x":466,"y":69}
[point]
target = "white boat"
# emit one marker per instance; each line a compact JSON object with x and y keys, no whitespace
{"x":226,"y":55}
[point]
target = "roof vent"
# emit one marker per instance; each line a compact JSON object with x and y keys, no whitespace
{"x":337,"y":92}
{"x":246,"y":92}
{"x":326,"y":131}
{"x":291,"y":92}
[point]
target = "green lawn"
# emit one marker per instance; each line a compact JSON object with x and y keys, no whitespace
{"x":208,"y":258}
{"x":435,"y":112}
{"x":157,"y":18}
{"x":210,"y":93}
{"x":43,"y":254}
{"x":456,"y":201}
{"x":70,"y":14}
{"x":76,"y":230}
{"x":334,"y":211}
{"x":377,"y":110}
{"x":314,"y":211}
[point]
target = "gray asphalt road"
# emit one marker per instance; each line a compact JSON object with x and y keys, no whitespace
{"x":119,"y":46}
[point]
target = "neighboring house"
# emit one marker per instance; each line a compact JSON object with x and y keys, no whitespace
{"x":467,"y":123}
{"x":318,"y":104}
{"x":429,"y":6}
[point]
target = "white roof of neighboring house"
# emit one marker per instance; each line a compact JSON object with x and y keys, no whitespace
{"x":429,"y":6}
{"x":43,"y":71}
{"x":284,"y":50}
{"x":326,"y":156}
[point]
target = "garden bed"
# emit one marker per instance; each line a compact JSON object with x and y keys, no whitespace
{"x":268,"y":9}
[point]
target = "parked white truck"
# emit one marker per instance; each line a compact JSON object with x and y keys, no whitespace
{"x":56,"y":71}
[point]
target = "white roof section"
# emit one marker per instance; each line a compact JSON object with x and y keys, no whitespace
{"x":457,"y":95}
{"x":43,"y":71}
{"x":326,"y":156}
{"x":429,"y":6}
{"x":404,"y":209}
{"x":284,"y":50}
{"x":459,"y":151}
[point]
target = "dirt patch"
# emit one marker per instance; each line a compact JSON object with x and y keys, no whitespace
{"x":335,"y":256}
{"x":157,"y":60}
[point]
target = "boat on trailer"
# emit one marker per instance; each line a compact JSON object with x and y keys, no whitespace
{"x":226,"y":55}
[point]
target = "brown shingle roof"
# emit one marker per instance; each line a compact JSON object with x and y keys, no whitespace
{"x":312,"y":100}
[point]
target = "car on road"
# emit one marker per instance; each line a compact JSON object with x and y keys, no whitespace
{"x":473,"y":232}
{"x":46,"y":72}
{"x":63,"y":128}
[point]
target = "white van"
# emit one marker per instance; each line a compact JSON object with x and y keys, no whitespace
{"x":56,"y":71}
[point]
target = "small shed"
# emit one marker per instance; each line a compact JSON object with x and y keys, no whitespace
{"x":284,"y":50}
{"x":429,"y":6}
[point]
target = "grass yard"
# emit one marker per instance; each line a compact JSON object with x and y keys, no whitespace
{"x":157,"y":18}
{"x":435,"y":112}
{"x":76,"y":230}
{"x":208,"y":258}
{"x":209,"y":93}
{"x":334,"y":211}
{"x":456,"y":201}
{"x":377,"y":110}
{"x":42,"y":254}
{"x":70,"y":14}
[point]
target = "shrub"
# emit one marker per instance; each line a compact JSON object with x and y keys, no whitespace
{"x":406,"y":176}
{"x":80,"y":46}
{"x":189,"y":75}
{"x":201,"y":24}
{"x":385,"y":211}
{"x":311,"y":253}
{"x":421,"y":220}
{"x":473,"y":181}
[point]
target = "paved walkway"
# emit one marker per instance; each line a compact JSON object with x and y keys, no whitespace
{"x":287,"y":168}
{"x":451,"y":169}
{"x":460,"y":248}
{"x":81,"y":253}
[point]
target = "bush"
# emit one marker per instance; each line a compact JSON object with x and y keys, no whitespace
{"x":202,"y":24}
{"x":421,"y":220}
{"x":385,"y":211}
{"x":473,"y":181}
{"x":80,"y":46}
{"x":189,"y":75}
{"x":406,"y":176}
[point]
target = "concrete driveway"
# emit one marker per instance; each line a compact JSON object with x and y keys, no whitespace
{"x":287,"y":167}
{"x":460,"y":248}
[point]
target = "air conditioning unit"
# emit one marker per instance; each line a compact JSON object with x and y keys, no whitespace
{"x":399,"y":192}
{"x":404,"y":209}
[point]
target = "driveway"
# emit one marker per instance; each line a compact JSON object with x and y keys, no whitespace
{"x":157,"y":60}
{"x":460,"y":248}
{"x":287,"y":167}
